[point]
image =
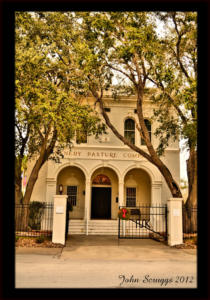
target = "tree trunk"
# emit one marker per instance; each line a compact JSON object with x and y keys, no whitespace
{"x":29,"y":188}
{"x":18,"y":191}
{"x":190,"y":215}
{"x":153,"y":157}
{"x":18,"y":179}
{"x":43,"y":157}
{"x":18,"y":210}
{"x":18,"y":194}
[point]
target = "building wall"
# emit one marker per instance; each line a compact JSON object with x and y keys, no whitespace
{"x":117,"y":160}
{"x":140,"y":180}
{"x":73,"y":176}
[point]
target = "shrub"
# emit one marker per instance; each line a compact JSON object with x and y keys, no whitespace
{"x":195,"y":240}
{"x":40,"y":239}
{"x":36,"y":210}
{"x":16,"y":238}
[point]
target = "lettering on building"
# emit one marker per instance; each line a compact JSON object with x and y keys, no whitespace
{"x":102,"y":155}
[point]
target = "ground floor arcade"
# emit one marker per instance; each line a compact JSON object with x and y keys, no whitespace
{"x":97,"y":192}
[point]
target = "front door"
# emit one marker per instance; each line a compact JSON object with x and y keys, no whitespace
{"x":101,"y":203}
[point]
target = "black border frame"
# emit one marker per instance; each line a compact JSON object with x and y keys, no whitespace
{"x":7,"y":210}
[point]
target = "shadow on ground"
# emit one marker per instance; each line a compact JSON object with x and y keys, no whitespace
{"x":75,"y":241}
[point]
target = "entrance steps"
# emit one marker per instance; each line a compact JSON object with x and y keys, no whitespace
{"x":95,"y":227}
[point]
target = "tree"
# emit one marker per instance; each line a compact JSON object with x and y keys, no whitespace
{"x":175,"y":76}
{"x":47,"y":114}
{"x":126,"y":43}
{"x":104,"y":44}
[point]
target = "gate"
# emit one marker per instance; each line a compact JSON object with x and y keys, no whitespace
{"x":144,"y":221}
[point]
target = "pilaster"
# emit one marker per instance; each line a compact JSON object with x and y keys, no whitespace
{"x":175,"y":229}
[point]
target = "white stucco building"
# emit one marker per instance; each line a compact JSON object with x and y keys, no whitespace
{"x":102,"y":174}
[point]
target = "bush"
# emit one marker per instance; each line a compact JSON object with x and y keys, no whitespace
{"x":195,"y":240}
{"x":40,"y":239}
{"x":16,"y":238}
{"x":36,"y":210}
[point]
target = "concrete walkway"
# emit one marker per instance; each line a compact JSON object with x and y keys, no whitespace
{"x":103,"y":261}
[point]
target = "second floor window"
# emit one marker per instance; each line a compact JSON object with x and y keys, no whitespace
{"x":129,"y":130}
{"x":148,"y":125}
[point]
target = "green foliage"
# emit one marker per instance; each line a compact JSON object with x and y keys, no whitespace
{"x":16,"y":238}
{"x":174,"y":71}
{"x":63,"y":57}
{"x":49,"y":89}
{"x":40,"y":239}
{"x":183,"y":184}
{"x":36,"y":210}
{"x":124,"y":212}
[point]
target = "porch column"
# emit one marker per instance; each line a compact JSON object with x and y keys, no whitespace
{"x":156,"y":219}
{"x":121,"y":193}
{"x":175,"y":230}
{"x":59,"y":219}
{"x":87,"y":203}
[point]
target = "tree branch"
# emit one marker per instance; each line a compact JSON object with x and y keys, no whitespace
{"x":178,"y":47}
{"x":115,"y":131}
{"x":128,"y":76}
{"x":172,"y":101}
{"x":137,"y":69}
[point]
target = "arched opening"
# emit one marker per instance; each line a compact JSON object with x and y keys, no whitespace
{"x":101,"y":179}
{"x":137,"y":190}
{"x":104,"y":194}
{"x":73,"y":182}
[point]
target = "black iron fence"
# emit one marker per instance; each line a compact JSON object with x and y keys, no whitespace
{"x":189,"y":215}
{"x":34,"y":219}
{"x":144,"y":221}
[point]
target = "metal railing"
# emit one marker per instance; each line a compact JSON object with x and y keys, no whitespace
{"x":145,"y":221}
{"x":34,"y":219}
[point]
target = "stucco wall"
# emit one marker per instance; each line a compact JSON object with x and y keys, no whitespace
{"x":73,"y":176}
{"x":171,"y":159}
{"x":124,"y":160}
{"x":140,"y":180}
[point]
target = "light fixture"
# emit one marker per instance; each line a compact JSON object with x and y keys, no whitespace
{"x":60,"y":189}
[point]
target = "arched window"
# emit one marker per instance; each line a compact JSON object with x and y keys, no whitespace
{"x":148,"y":125}
{"x":129,"y":130}
{"x":101,"y":179}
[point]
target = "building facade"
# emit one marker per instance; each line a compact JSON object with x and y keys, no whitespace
{"x":99,"y":175}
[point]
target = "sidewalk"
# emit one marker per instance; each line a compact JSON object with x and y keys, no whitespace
{"x":99,"y":261}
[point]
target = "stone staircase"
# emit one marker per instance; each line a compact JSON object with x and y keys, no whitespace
{"x":95,"y":227}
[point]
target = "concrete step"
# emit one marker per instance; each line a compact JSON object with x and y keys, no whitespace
{"x":100,"y":227}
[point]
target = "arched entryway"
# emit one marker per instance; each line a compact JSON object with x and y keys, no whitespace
{"x":137,"y":189}
{"x":73,"y":181}
{"x":104,"y":194}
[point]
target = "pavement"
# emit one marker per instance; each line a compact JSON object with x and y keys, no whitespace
{"x":106,"y":262}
